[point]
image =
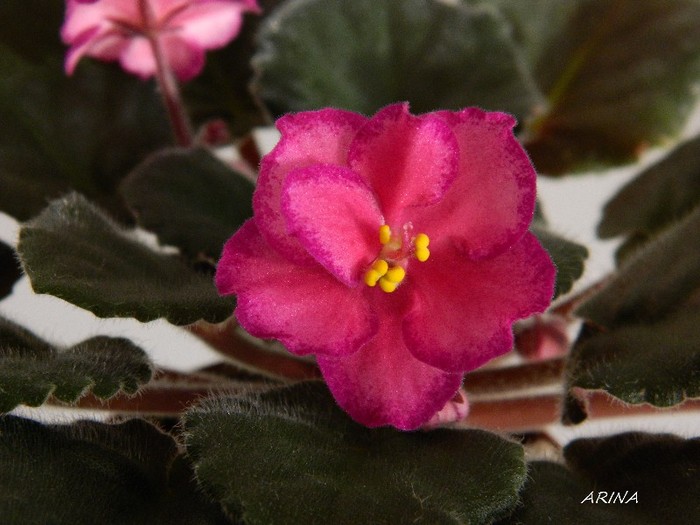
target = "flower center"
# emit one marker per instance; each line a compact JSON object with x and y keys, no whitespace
{"x":389,"y":268}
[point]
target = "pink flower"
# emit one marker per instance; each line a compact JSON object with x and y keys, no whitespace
{"x":124,"y":30}
{"x":395,"y":248}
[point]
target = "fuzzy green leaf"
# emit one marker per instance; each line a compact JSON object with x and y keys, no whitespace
{"x":662,"y":470}
{"x":620,"y":76}
{"x":657,"y":197}
{"x":190,"y":199}
{"x":568,"y":257}
{"x":291,"y":456}
{"x":655,"y":282}
{"x":656,"y":363}
{"x":364,"y":54}
{"x":644,"y":345}
{"x":76,"y":253}
{"x":90,"y":473}
{"x":74,"y":132}
{"x":31,"y":370}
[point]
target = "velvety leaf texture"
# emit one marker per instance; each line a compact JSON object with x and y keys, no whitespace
{"x":10,"y":270}
{"x":308,"y":463}
{"x":190,"y":199}
{"x":619,"y":77}
{"x":568,"y":257}
{"x":90,"y":472}
{"x":31,"y":370}
{"x":660,"y":195}
{"x":644,"y":345}
{"x":73,"y":251}
{"x":75,"y":132}
{"x":659,"y":279}
{"x":602,"y":475}
{"x":428,"y":53}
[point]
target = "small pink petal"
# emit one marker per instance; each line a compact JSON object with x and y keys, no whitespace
{"x":298,"y":305}
{"x":407,"y":160}
{"x":210,"y":25}
{"x":382,"y":383}
{"x":464,"y":309}
{"x":137,"y":58}
{"x":186,"y":60}
{"x":314,"y":137}
{"x":456,"y":409}
{"x":492,"y":201}
{"x":335,"y":216}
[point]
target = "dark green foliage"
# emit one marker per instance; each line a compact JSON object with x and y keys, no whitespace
{"x":364,"y":54}
{"x":307,"y":462}
{"x":31,"y":370}
{"x":646,"y":346}
{"x":568,"y":257}
{"x":660,"y":195}
{"x":619,"y":75}
{"x":89,"y":473}
{"x":663,"y":470}
{"x":78,"y":132}
{"x":190,"y":199}
{"x":76,"y":253}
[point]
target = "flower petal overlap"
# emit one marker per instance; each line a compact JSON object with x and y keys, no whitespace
{"x":395,"y":248}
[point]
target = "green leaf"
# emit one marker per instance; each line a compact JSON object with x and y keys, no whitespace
{"x":656,"y":363}
{"x":90,"y":473}
{"x":364,"y":54}
{"x":653,"y":283}
{"x":190,"y":199}
{"x":657,"y":197}
{"x":662,"y":470}
{"x":73,"y":251}
{"x":45,"y":19}
{"x":643,"y":345}
{"x":60,"y":133}
{"x":567,"y":256}
{"x":619,"y":77}
{"x":10,"y":270}
{"x":304,"y":461}
{"x":31,"y":370}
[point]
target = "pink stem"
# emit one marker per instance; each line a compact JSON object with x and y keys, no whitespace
{"x":169,"y":89}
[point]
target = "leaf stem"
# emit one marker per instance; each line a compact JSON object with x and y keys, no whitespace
{"x":169,"y":89}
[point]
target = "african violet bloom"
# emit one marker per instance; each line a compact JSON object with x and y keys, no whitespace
{"x":121,"y":29}
{"x":395,"y":248}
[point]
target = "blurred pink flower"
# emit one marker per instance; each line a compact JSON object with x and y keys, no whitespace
{"x":395,"y":248}
{"x":124,"y":30}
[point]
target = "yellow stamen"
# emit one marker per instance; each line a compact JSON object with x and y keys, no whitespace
{"x":384,"y":234}
{"x":386,"y":285}
{"x":422,"y":241}
{"x":422,"y":254}
{"x":379,"y":268}
{"x":395,"y":275}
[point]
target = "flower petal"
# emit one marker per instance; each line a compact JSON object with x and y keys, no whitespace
{"x":298,"y":305}
{"x":382,"y":383}
{"x":211,"y":24}
{"x":308,"y":138}
{"x":492,"y":201}
{"x":186,"y":59}
{"x":464,"y":309}
{"x":335,"y":216}
{"x":408,"y":160}
{"x":137,"y":58}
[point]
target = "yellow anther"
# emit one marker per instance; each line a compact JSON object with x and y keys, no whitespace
{"x":422,"y":241}
{"x":380,"y":266}
{"x":395,"y":275}
{"x":386,"y":285}
{"x":378,"y":270}
{"x":371,"y":277}
{"x":384,"y":234}
{"x":422,"y":254}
